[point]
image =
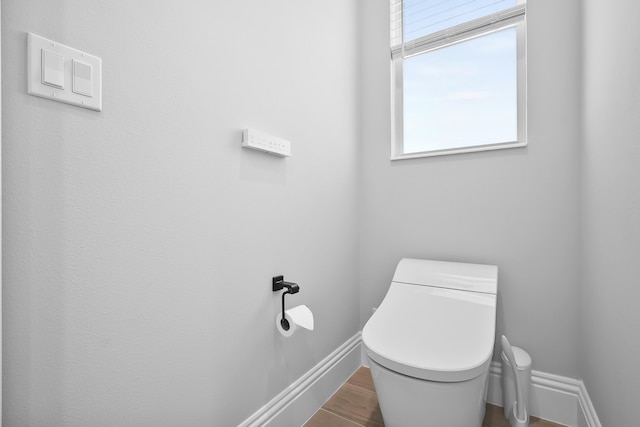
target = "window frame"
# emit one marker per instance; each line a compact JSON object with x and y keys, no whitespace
{"x":514,"y":17}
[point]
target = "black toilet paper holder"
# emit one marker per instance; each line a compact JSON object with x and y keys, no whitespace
{"x":278,"y":284}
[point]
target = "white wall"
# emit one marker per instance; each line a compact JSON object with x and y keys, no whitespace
{"x":515,"y":208}
{"x":0,"y":213}
{"x":611,"y":174}
{"x":140,"y":242}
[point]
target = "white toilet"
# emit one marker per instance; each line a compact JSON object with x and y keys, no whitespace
{"x":430,"y":343}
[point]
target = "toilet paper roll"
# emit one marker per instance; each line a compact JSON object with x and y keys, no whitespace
{"x":299,"y":316}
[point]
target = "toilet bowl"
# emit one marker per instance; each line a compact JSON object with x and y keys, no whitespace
{"x":430,"y":343}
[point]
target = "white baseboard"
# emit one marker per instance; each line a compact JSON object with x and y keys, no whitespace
{"x":311,"y":390}
{"x":555,"y":398}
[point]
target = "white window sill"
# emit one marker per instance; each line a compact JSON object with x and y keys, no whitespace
{"x":446,"y":152}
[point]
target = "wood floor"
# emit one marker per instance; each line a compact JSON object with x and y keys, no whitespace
{"x":356,"y":405}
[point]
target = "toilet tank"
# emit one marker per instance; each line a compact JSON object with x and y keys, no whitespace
{"x":449,"y":275}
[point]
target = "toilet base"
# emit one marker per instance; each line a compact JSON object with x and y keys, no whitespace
{"x":408,"y":402}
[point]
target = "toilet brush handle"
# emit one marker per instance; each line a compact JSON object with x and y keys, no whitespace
{"x":519,"y":408}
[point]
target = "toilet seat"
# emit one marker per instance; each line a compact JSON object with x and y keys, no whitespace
{"x":432,"y":333}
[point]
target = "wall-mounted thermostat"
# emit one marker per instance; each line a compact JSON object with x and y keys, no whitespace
{"x":63,"y":74}
{"x":261,"y":141}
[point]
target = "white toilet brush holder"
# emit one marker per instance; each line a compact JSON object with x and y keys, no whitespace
{"x":516,"y":382}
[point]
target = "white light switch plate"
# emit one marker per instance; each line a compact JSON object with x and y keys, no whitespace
{"x":75,"y":89}
{"x":261,"y":141}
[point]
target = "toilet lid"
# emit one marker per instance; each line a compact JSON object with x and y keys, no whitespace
{"x":432,"y":333}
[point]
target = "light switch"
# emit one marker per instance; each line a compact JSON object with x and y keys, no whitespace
{"x":63,"y":74}
{"x":52,"y":69}
{"x":82,"y":79}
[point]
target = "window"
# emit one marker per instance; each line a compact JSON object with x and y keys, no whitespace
{"x":459,"y":76}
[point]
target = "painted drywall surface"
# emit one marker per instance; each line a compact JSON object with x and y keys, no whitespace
{"x":0,"y":214}
{"x":611,"y":174}
{"x":514,"y":208}
{"x":140,"y":241}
